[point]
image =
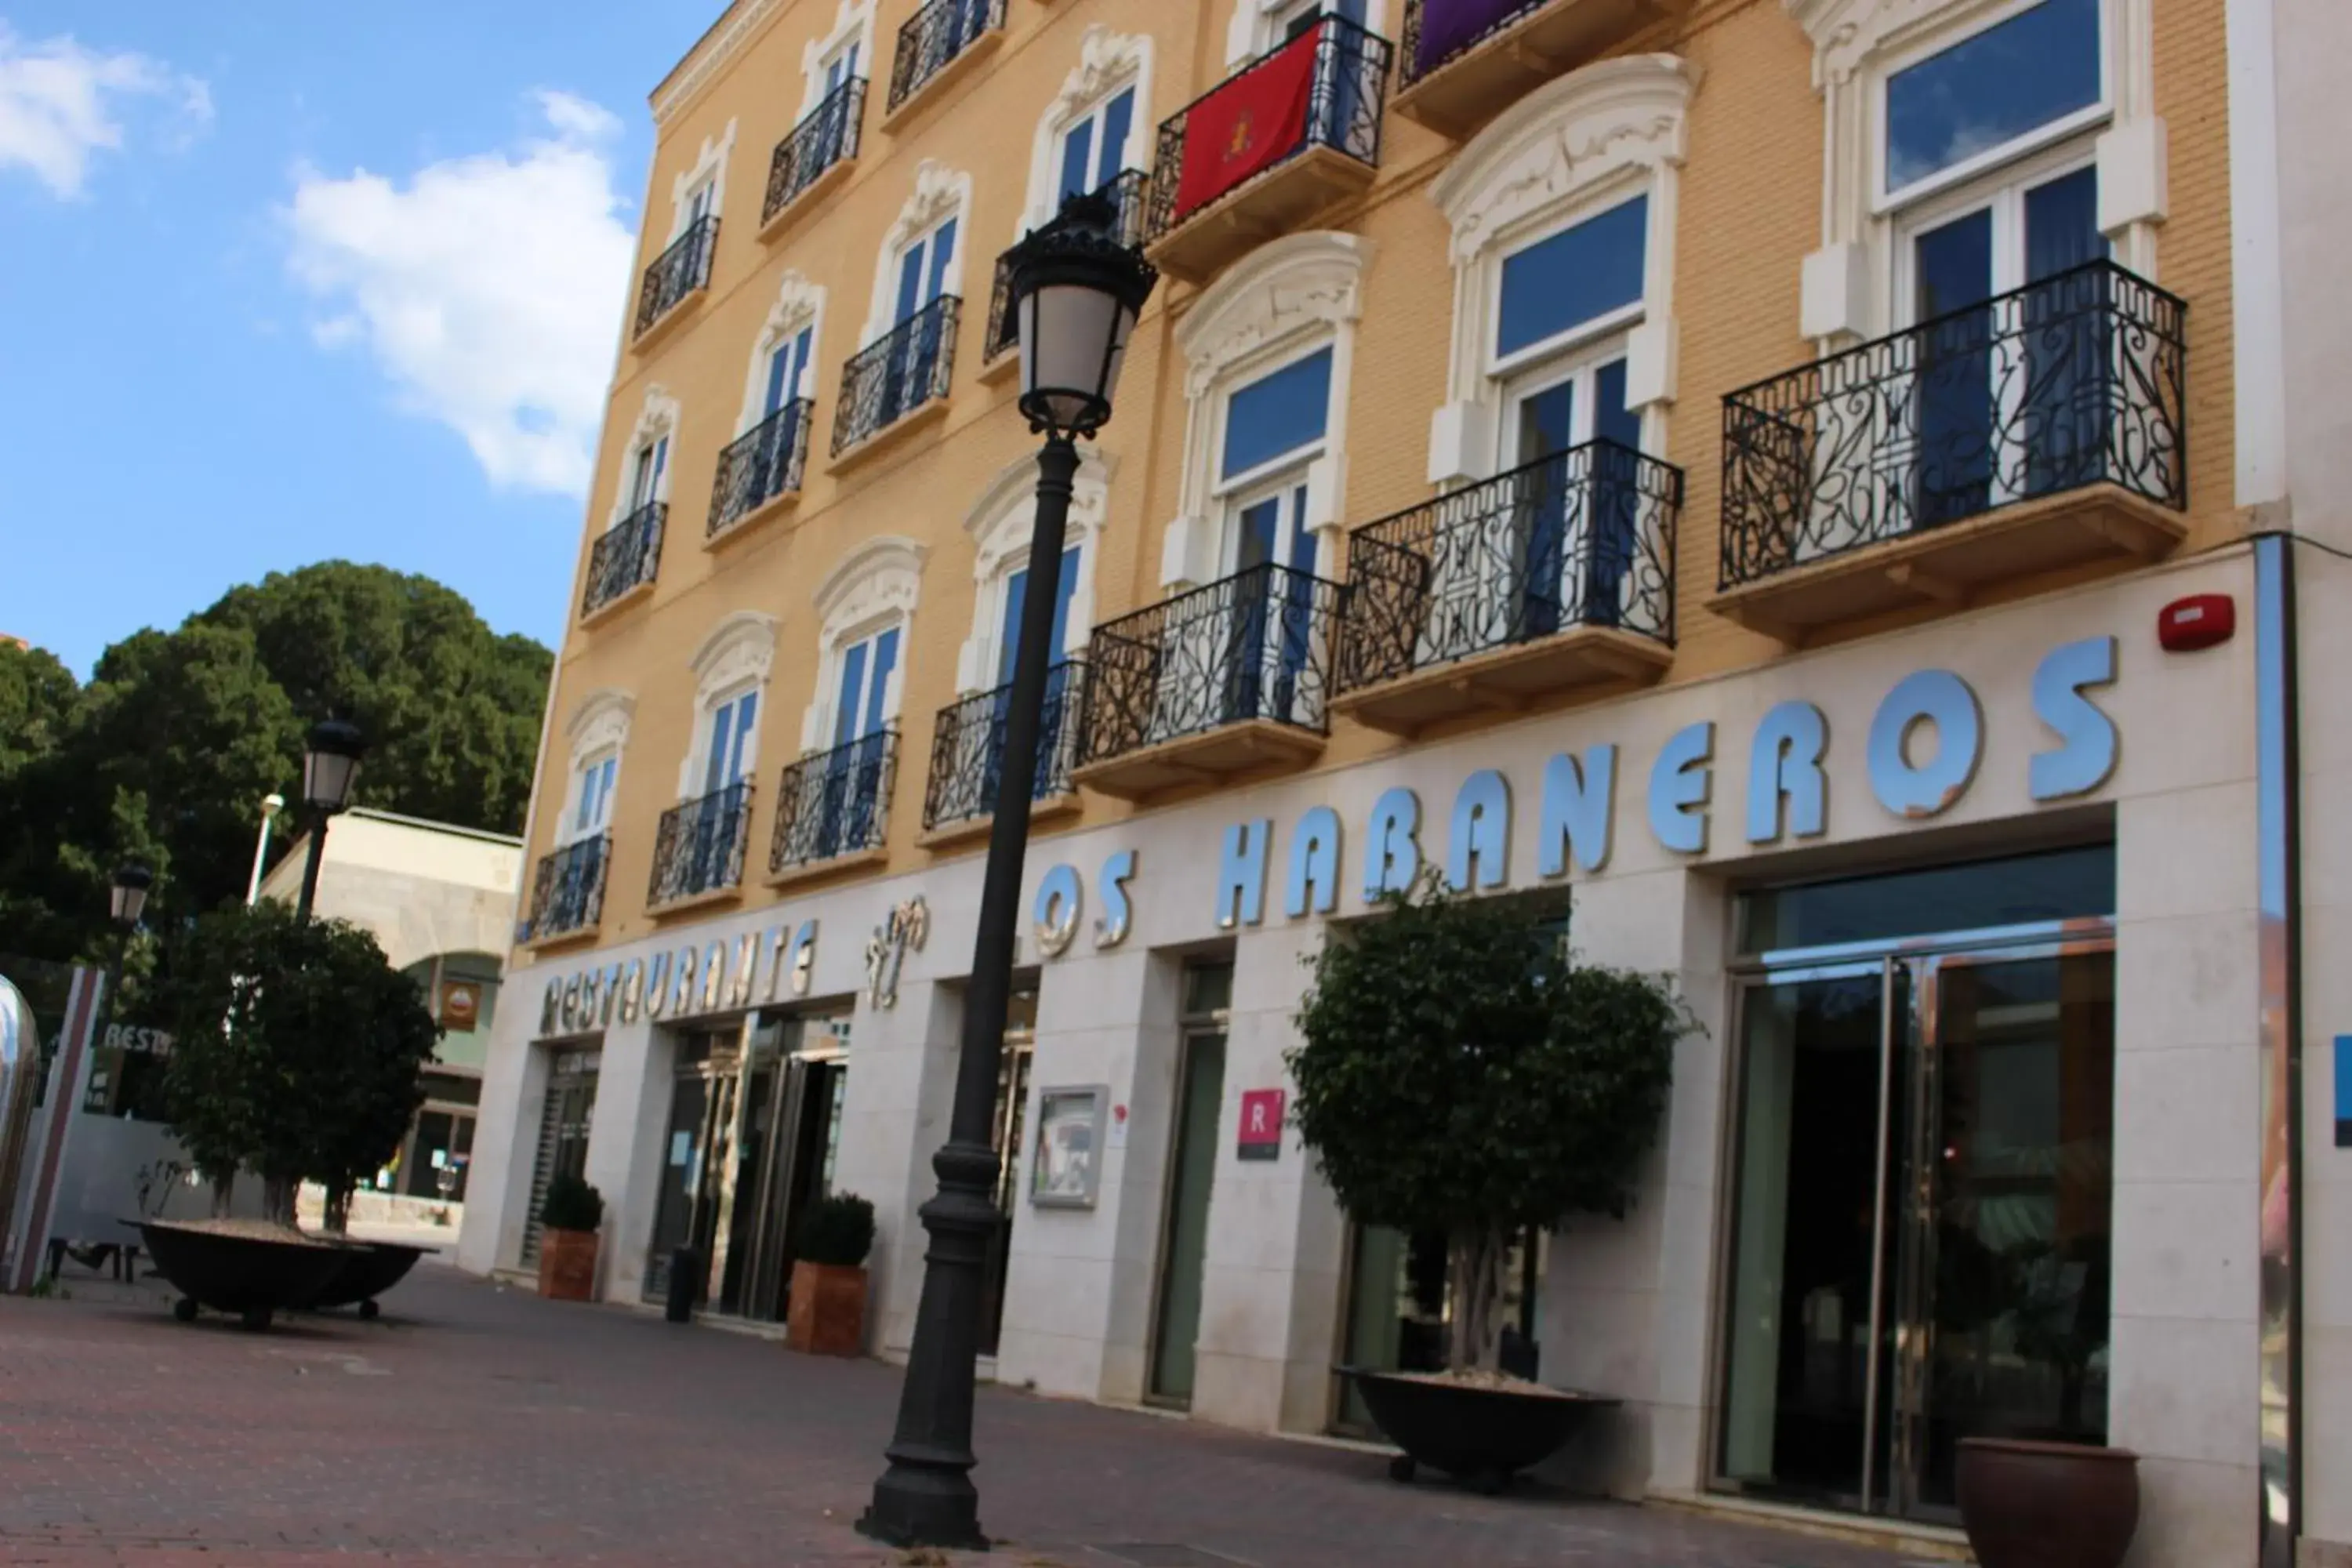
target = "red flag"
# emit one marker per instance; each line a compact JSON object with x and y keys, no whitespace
{"x":1249,"y":124}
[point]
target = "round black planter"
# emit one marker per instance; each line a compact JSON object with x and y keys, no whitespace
{"x":1481,"y":1437}
{"x":2047,"y":1505}
{"x":366,"y":1271}
{"x":248,"y":1276}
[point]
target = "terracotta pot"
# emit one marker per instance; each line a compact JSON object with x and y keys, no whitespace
{"x":828,"y":1315}
{"x":567,"y":1265}
{"x":2047,"y":1505}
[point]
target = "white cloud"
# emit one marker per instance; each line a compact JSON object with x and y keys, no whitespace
{"x":488,"y":287}
{"x":60,"y":103}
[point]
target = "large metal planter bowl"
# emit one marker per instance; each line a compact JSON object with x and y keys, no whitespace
{"x":366,"y":1271}
{"x":250,"y":1276}
{"x":2047,"y":1505}
{"x":1481,"y":1437}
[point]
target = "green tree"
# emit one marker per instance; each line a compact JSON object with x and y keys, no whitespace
{"x":1457,"y":1076}
{"x":297,"y":1055}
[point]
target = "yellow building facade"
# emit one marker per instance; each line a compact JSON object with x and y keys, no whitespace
{"x":1719,"y":466}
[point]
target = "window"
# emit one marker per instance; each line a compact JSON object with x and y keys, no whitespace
{"x":1276,"y":417}
{"x":1094,"y":149}
{"x":1979,"y":97}
{"x":729,"y":755}
{"x":1016,"y":596}
{"x":698,"y":202}
{"x":923,"y":269}
{"x":1559,"y":285}
{"x":788,"y":369}
{"x":594,"y":786}
{"x":861,"y":699}
{"x":646,"y":478}
{"x":840,"y":66}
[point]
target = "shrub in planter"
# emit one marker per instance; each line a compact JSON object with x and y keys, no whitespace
{"x":827,"y":1312}
{"x":569,"y":1217}
{"x":1460,"y":1074}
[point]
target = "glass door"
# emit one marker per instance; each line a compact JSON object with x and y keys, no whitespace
{"x":1005,"y":1130}
{"x":1919,"y":1250}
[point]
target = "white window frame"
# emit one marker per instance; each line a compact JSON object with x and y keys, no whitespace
{"x":1509,"y":188}
{"x":853,"y":24}
{"x":799,"y":305}
{"x":734,"y":658}
{"x":941,"y":193}
{"x":1257,"y":24}
{"x":999,"y":526}
{"x":583,"y":773}
{"x":874,"y":587}
{"x":598,"y":731}
{"x":1852,"y":287}
{"x":2001,"y":187}
{"x":1279,"y":304}
{"x":708,"y":172}
{"x":1108,"y":63}
{"x":658,"y":419}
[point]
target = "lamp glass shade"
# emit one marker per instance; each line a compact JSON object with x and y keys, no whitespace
{"x":331,"y":765}
{"x":127,"y":900}
{"x":1073,"y":343}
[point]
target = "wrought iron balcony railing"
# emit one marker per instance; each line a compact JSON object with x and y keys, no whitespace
{"x":764,"y":462}
{"x":835,"y":802}
{"x":1255,"y":645}
{"x":1128,"y":192}
{"x":676,"y":272}
{"x":2077,"y":380}
{"x":826,"y":136}
{"x":968,"y":748}
{"x":1464,"y":25}
{"x":896,"y":373}
{"x":700,"y":848}
{"x":932,"y":37}
{"x":567,"y":893}
{"x":1581,"y":538}
{"x":625,"y":556}
{"x":1346,"y":94}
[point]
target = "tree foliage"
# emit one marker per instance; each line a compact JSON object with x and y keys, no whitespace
{"x":167,"y":753}
{"x":297,"y":1054}
{"x":1458,"y":1074}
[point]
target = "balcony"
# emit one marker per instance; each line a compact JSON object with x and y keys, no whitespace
{"x":622,"y":562}
{"x":1289,"y":134}
{"x":1224,"y":680}
{"x":1129,"y":195}
{"x":832,"y":808}
{"x":894,"y":378}
{"x":1462,"y":62}
{"x":760,"y":471}
{"x":938,"y":44}
{"x":567,"y":894}
{"x":968,"y":756}
{"x":1556,"y":577}
{"x":699,"y":851}
{"x":814,"y":157}
{"x":2041,"y":431}
{"x":679,"y":274}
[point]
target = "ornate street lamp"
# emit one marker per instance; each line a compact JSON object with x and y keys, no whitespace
{"x":331,"y":765}
{"x":1075,"y":294}
{"x":128,"y":898}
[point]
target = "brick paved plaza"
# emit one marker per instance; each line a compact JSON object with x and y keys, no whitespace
{"x":479,"y":1425}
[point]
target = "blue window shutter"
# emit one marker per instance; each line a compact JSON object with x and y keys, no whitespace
{"x":1278,"y":414}
{"x":1117,"y":116}
{"x":1572,"y":277}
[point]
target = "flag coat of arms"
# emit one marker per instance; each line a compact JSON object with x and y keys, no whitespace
{"x":1249,"y":124}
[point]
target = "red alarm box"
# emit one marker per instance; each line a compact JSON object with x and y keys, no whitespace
{"x":2199,"y":621}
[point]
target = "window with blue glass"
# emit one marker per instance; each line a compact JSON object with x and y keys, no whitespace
{"x":1276,"y":416}
{"x":2036,"y":69}
{"x":734,"y":720}
{"x":1584,"y":273}
{"x":595,"y":810}
{"x":1094,"y":148}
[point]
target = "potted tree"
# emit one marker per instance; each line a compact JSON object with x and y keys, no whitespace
{"x":569,"y":1219}
{"x":827,"y":1314}
{"x":1460,"y":1074}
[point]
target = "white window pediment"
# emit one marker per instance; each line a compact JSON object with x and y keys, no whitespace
{"x":1277,"y":305}
{"x":710,"y":168}
{"x":852,"y":27}
{"x":1576,"y":147}
{"x":874,"y":587}
{"x":1000,"y":525}
{"x":739,"y":651}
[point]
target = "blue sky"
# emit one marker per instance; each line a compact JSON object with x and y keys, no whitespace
{"x":286,"y":282}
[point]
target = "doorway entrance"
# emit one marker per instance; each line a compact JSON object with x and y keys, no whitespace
{"x":1004,"y":1130}
{"x":754,"y":1131}
{"x":1191,"y":1179}
{"x":1922,"y":1188}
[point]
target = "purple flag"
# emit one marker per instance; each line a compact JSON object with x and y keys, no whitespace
{"x":1449,"y":26}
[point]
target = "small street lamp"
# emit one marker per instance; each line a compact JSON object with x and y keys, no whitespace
{"x":1076,"y":294}
{"x":331,"y":765}
{"x":272,"y":805}
{"x":127,"y":900}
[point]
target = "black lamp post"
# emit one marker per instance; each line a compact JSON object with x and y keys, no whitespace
{"x":331,"y":765}
{"x":126,"y":901}
{"x":1075,"y":294}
